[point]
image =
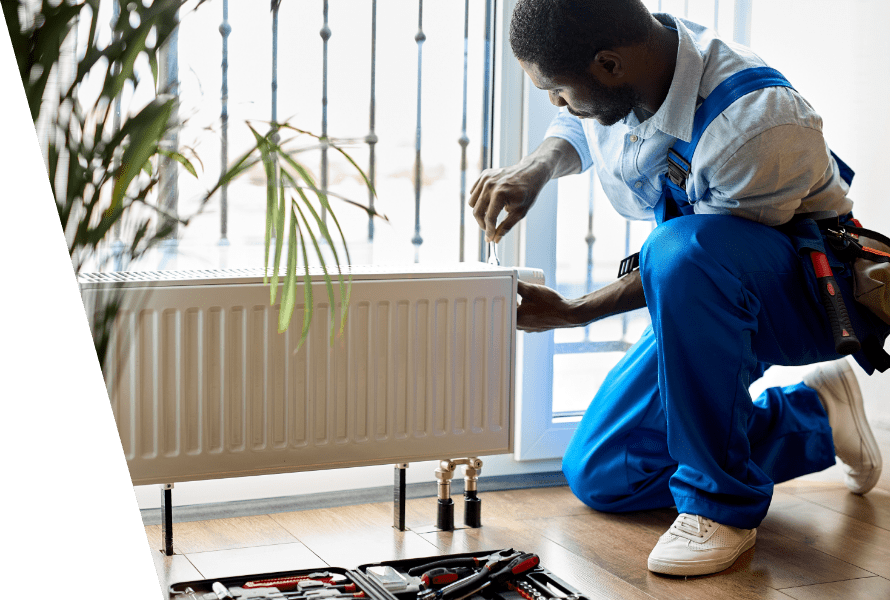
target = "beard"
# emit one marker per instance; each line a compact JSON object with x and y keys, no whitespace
{"x":607,"y":105}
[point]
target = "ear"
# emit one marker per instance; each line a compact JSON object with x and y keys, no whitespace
{"x":607,"y":64}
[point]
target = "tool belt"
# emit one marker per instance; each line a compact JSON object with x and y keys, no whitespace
{"x":869,"y":253}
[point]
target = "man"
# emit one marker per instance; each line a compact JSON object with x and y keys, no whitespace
{"x":728,"y":293}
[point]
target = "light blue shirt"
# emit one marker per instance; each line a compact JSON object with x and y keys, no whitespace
{"x":764,"y":158}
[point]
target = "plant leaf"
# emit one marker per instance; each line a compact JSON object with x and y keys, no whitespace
{"x":324,"y":268}
{"x":271,"y":191}
{"x":307,"y":293}
{"x":180,"y":159}
{"x":289,"y":294}
{"x":144,"y":129}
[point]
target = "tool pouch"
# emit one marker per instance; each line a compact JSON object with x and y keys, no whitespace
{"x":871,"y":278}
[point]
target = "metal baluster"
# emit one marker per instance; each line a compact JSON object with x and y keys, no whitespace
{"x":590,"y":239}
{"x":464,"y":140}
{"x":716,"y":15}
{"x":325,"y":34}
{"x":487,"y":101}
{"x":117,"y":246}
{"x":224,"y":29}
{"x":626,"y":253}
{"x":686,"y":9}
{"x":276,"y":5}
{"x":419,"y":37}
{"x":372,"y":137}
{"x":169,"y":171}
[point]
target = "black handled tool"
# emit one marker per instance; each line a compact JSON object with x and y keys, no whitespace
{"x":463,"y":561}
{"x":518,"y":566}
{"x":845,"y":340}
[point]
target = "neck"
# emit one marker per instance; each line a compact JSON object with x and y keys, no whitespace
{"x":661,"y":60}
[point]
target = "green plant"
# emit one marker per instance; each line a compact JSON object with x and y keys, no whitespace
{"x":105,"y":177}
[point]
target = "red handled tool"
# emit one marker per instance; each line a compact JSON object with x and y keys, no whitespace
{"x":441,"y":576}
{"x":845,"y":340}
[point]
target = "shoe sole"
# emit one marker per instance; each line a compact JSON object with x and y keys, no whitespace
{"x":701,"y":567}
{"x":870,"y":444}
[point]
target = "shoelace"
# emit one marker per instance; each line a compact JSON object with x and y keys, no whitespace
{"x":692,"y":527}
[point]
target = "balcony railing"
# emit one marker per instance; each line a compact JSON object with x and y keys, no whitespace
{"x":477,"y":17}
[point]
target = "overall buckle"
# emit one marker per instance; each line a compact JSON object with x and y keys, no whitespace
{"x":678,"y":169}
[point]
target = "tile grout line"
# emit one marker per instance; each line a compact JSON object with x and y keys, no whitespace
{"x":798,"y":587}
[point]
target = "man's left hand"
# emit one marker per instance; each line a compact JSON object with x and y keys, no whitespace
{"x":542,"y":309}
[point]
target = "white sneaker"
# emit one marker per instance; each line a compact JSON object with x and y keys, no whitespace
{"x":854,"y":442}
{"x":696,"y":545}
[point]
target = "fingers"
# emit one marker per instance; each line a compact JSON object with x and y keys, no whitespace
{"x":490,"y":222}
{"x":512,"y":218}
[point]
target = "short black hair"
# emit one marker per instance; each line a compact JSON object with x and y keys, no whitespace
{"x":563,"y":36}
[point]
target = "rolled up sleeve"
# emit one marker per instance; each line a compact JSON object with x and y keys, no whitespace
{"x":769,"y":177}
{"x":569,"y":128}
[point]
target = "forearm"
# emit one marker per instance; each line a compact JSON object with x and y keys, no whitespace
{"x":555,"y":156}
{"x":543,"y":308}
{"x":618,"y":297}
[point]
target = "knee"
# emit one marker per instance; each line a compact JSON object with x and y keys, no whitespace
{"x":595,"y":478}
{"x":669,"y":251}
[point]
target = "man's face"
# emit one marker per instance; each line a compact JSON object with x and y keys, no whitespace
{"x":584,"y":95}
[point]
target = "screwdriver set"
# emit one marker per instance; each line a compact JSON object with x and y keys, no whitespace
{"x":506,"y":574}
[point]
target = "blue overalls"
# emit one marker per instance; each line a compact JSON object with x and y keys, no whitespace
{"x":673,"y":423}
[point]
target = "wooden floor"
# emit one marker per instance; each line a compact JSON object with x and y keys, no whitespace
{"x":818,"y":541}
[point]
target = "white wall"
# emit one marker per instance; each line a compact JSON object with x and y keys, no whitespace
{"x":837,"y":54}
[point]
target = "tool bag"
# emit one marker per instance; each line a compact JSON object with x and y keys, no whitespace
{"x":870,"y":254}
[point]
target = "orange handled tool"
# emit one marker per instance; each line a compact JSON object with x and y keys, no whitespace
{"x":845,"y":340}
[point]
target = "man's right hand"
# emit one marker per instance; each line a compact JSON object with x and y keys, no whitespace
{"x":514,"y":189}
{"x":511,"y":189}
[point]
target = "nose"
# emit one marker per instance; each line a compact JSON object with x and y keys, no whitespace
{"x":556,"y":100}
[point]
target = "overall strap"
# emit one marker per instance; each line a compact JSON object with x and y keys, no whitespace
{"x":730,"y":89}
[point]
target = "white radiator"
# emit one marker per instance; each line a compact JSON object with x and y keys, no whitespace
{"x":203,"y":386}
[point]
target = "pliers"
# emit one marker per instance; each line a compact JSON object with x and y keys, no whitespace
{"x":498,"y":569}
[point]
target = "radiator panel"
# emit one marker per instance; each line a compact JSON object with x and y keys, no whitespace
{"x":203,"y":386}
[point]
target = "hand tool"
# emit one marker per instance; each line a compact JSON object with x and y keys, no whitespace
{"x":288,"y":582}
{"x":461,"y":561}
{"x":845,"y":340}
{"x":220,"y":590}
{"x":393,"y":581}
{"x":498,"y":569}
{"x":494,"y":573}
{"x":441,"y":576}
{"x":493,"y":254}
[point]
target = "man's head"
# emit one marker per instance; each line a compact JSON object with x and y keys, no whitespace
{"x":579,"y":51}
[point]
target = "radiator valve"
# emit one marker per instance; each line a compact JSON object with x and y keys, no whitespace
{"x":445,"y":505}
{"x":472,"y":503}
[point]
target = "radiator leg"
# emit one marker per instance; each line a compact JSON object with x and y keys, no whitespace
{"x":398,"y":497}
{"x":445,"y":506}
{"x":472,"y":503}
{"x":167,"y":518}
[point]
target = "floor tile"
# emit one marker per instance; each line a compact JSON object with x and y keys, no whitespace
{"x":871,"y":588}
{"x":173,"y":569}
{"x":260,"y":559}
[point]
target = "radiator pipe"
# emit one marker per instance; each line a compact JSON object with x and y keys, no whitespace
{"x":398,"y":497}
{"x":445,"y":505}
{"x":167,"y":518}
{"x":472,"y":503}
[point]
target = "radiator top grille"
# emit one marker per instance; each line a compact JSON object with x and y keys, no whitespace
{"x":255,"y":275}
